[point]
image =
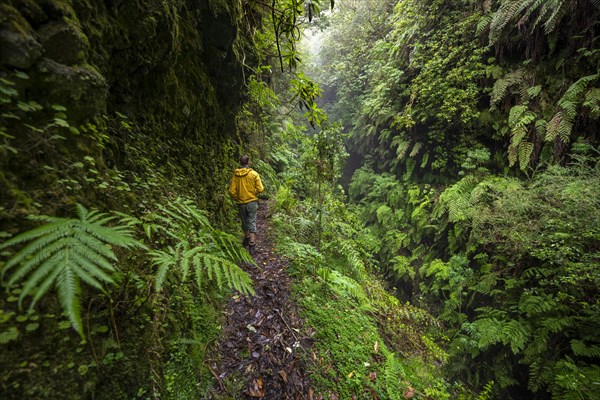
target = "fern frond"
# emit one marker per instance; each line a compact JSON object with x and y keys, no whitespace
{"x":416,"y":148}
{"x":561,"y":125}
{"x":592,"y":101}
{"x":207,"y":260}
{"x":402,"y":149}
{"x":559,"y":9}
{"x":90,"y":279}
{"x":532,"y":305}
{"x":64,"y":251}
{"x":483,"y":24}
{"x":525,"y":152}
{"x":515,"y":333}
{"x":534,"y":91}
{"x":42,"y":280}
{"x":581,"y":349}
{"x":346,"y":286}
{"x":550,"y":12}
{"x":486,"y":392}
{"x":577,"y":88}
{"x":219,"y":268}
{"x":393,"y":372}
{"x":68,"y":296}
{"x":507,"y":12}
{"x":552,"y":127}
{"x":501,"y":86}
{"x":164,"y":261}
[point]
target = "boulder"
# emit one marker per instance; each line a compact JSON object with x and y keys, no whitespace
{"x":63,"y":42}
{"x":19,"y":47}
{"x":81,"y":89}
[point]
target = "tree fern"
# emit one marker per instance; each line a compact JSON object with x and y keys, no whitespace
{"x":64,"y":251}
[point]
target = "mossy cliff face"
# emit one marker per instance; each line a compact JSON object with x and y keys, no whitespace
{"x":168,"y":67}
{"x":118,"y":105}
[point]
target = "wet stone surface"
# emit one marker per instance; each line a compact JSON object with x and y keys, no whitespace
{"x":263,"y":339}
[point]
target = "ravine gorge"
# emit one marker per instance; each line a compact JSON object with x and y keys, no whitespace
{"x":429,"y":226}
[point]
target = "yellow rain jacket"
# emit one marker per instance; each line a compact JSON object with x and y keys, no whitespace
{"x":245,"y":185}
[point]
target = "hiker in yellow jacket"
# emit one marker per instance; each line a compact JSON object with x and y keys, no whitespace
{"x":244,"y":189}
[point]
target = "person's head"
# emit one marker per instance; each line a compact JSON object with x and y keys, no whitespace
{"x":244,"y":160}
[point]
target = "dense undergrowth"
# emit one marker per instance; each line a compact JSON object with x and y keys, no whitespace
{"x":473,"y":136}
{"x":460,"y":260}
{"x":368,"y":344}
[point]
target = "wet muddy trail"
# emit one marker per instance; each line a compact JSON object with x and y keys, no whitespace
{"x":263,"y":338}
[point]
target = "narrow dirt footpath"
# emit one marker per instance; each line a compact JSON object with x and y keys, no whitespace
{"x":263,"y":338}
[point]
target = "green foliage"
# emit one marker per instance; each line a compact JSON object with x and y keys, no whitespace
{"x":407,"y":82}
{"x":64,"y":251}
{"x":509,"y":264}
{"x":192,"y":243}
{"x":360,"y":329}
{"x":511,"y":267}
{"x":539,"y":265}
{"x":547,"y":13}
{"x":561,"y":125}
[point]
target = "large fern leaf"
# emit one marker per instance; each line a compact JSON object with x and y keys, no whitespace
{"x":197,"y":248}
{"x":64,"y":251}
{"x":518,"y":13}
{"x":214,"y":262}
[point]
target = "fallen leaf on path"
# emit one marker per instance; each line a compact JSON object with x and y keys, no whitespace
{"x":256,"y":388}
{"x":283,"y":375}
{"x":409,"y":393}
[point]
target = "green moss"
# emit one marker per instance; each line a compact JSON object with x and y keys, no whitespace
{"x":10,"y":16}
{"x":350,"y":351}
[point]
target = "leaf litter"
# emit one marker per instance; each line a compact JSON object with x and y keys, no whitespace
{"x":264,"y":339}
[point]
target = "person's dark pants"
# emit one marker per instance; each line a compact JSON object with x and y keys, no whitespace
{"x":248,"y":216}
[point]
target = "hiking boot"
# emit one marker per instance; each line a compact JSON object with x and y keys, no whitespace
{"x":246,"y":242}
{"x":252,"y":248}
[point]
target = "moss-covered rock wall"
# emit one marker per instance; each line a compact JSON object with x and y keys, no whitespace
{"x":162,"y":77}
{"x":118,"y":105}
